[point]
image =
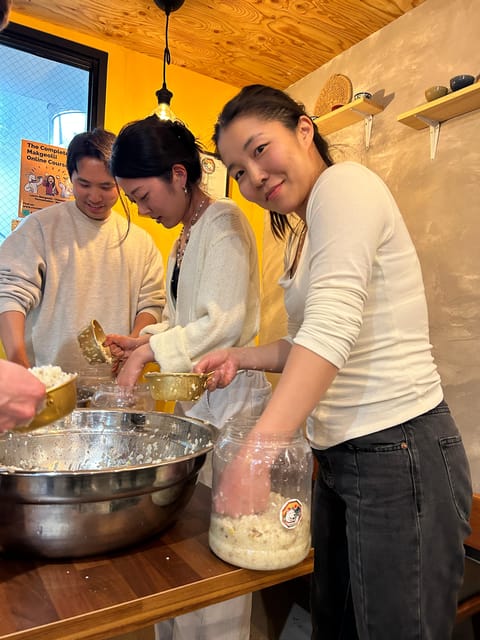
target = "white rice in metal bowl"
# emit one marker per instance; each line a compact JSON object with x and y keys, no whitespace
{"x":51,"y":375}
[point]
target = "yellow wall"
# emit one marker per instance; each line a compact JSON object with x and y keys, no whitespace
{"x":132,"y":79}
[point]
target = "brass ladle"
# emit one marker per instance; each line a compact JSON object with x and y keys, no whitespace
{"x":177,"y":386}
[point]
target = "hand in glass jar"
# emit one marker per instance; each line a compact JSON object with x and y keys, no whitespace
{"x":244,"y":486}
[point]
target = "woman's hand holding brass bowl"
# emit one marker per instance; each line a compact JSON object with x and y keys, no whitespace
{"x":223,"y":366}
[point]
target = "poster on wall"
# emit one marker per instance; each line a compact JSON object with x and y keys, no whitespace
{"x":44,"y":178}
{"x":214,"y":176}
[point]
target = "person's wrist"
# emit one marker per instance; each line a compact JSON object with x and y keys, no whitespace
{"x":239,"y":355}
{"x":143,"y":354}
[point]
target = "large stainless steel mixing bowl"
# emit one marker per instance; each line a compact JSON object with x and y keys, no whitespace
{"x":97,"y":480}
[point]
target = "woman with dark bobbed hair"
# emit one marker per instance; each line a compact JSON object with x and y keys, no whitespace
{"x":212,"y":302}
{"x":393,"y":493}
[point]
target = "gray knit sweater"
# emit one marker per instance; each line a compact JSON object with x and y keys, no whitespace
{"x":62,"y":269}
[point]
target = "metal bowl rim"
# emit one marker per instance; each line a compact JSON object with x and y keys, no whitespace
{"x":13,"y":471}
{"x":166,"y":374}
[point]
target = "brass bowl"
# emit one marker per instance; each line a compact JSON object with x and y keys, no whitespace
{"x":91,"y":341}
{"x":60,"y":401}
{"x":176,"y":386}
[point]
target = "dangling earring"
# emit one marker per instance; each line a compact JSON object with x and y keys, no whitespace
{"x":185,"y":190}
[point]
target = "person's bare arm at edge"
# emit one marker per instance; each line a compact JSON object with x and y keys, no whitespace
{"x":306,"y":377}
{"x":143,"y":319}
{"x":12,"y":334}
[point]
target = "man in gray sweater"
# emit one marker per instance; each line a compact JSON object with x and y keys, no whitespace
{"x":75,"y":261}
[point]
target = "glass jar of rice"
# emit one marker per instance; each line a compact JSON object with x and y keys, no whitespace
{"x":261,"y":498}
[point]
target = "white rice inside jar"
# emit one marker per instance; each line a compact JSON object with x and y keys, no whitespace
{"x":259,"y":541}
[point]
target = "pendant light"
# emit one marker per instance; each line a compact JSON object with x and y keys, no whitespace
{"x":164,"y":95}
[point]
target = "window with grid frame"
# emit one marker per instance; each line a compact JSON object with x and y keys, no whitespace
{"x":50,"y":89}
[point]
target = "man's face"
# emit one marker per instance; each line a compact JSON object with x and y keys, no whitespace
{"x":94,"y":188}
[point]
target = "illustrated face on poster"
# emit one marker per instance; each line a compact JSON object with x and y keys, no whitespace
{"x":43,"y":177}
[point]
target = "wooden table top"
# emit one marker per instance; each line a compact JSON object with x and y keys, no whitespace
{"x":99,"y":597}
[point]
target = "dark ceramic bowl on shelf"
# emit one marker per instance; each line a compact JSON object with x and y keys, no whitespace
{"x":460,"y":82}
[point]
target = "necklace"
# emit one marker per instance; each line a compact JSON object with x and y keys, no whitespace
{"x":185,"y":235}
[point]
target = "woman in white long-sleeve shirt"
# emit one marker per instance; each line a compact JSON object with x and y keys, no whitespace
{"x":393,"y":493}
{"x":212,"y":302}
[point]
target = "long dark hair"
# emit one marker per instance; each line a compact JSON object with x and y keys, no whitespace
{"x":268,"y":103}
{"x":150,"y":147}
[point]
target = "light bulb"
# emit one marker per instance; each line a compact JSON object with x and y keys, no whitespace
{"x":163,"y":111}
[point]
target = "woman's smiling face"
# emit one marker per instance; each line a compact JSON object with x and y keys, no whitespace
{"x":270,"y":162}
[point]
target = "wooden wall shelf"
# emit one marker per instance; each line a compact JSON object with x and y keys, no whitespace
{"x":432,"y":114}
{"x":355,"y":111}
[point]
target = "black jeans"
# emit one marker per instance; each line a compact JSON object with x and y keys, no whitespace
{"x":390,"y":515}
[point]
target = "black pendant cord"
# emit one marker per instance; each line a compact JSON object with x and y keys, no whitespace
{"x":166,"y":51}
{"x":167,"y":6}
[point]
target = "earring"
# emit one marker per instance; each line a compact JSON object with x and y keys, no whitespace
{"x":185,"y":190}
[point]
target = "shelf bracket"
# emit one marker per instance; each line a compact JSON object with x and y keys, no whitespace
{"x":368,"y":119}
{"x":434,"y":127}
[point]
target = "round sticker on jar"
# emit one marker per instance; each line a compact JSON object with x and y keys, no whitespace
{"x":291,"y":513}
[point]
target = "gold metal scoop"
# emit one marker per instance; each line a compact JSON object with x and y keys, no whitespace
{"x":91,"y":340}
{"x":177,"y":386}
{"x":59,"y":402}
